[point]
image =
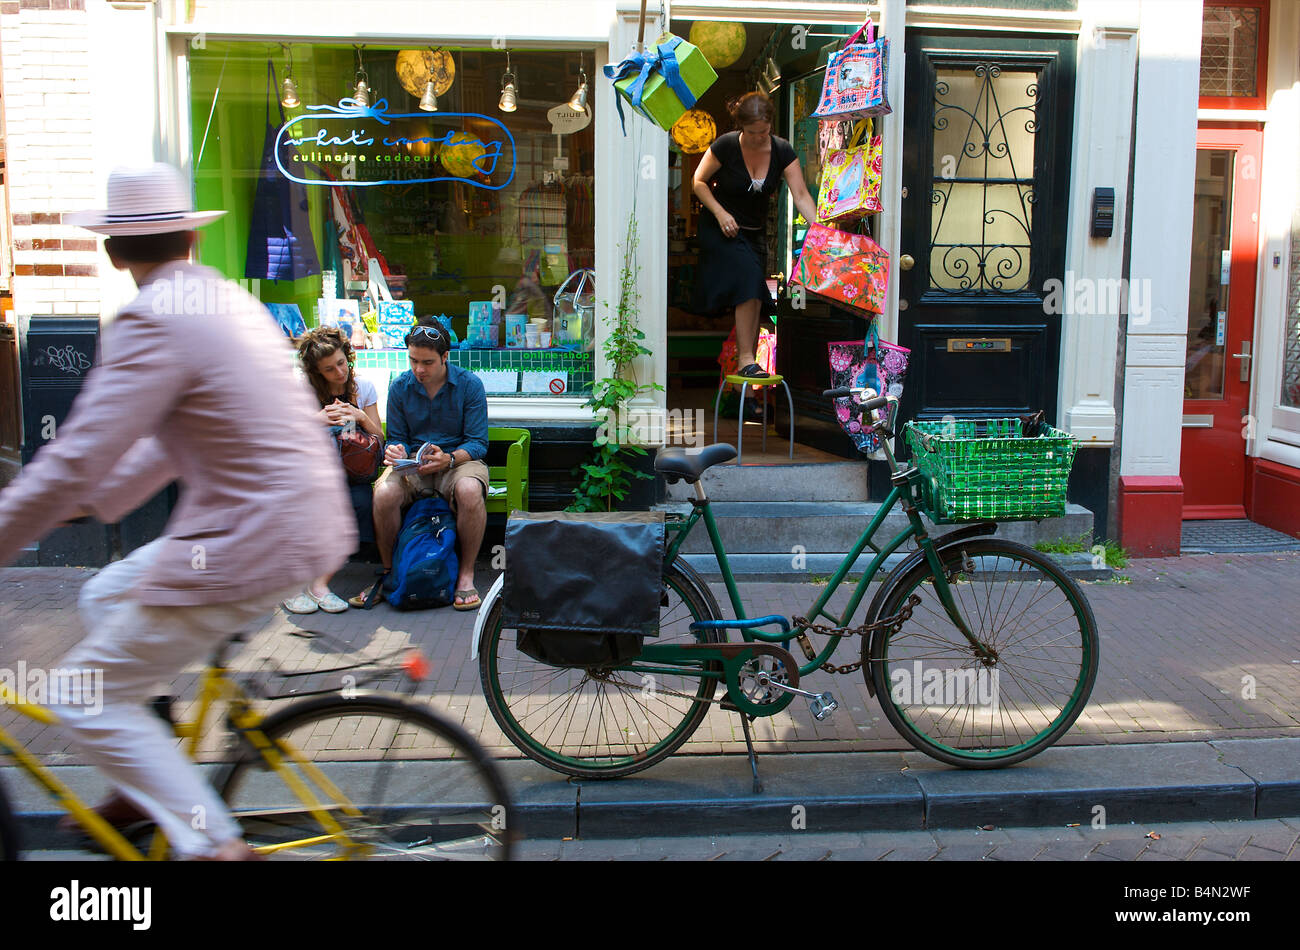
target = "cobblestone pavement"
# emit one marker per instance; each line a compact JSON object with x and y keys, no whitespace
{"x":1271,"y":840}
{"x":1191,"y":648}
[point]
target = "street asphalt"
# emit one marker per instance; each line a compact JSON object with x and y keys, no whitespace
{"x":1194,"y":726}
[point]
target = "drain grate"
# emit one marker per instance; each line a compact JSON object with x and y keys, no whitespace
{"x":1234,"y":536}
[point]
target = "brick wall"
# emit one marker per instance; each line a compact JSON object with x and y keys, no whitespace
{"x":45,"y":63}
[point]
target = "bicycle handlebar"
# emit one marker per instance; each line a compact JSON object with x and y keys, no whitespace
{"x":869,"y":406}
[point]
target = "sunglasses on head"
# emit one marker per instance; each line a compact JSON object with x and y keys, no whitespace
{"x":433,"y":333}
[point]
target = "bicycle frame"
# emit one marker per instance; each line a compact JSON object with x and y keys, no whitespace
{"x":906,"y":486}
{"x":243,"y":720}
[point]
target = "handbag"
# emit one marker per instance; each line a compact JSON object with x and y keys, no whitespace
{"x":280,"y":245}
{"x":855,"y":85}
{"x":850,"y":181}
{"x":574,"y":310}
{"x":869,"y":363}
{"x":360,"y":451}
{"x":849,"y":268}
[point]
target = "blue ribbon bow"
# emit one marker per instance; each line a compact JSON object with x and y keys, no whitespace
{"x":664,"y":58}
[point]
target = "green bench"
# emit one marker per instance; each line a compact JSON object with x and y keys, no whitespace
{"x":513,"y":475}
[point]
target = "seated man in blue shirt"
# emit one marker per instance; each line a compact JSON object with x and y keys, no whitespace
{"x":446,"y":406}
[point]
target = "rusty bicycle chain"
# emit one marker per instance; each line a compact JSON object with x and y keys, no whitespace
{"x":892,"y":624}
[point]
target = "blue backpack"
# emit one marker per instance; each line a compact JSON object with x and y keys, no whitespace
{"x":425,"y":566}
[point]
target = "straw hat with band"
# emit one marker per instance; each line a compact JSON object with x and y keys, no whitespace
{"x":155,"y":199}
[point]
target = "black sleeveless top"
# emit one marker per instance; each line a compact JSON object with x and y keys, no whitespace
{"x":733,"y":187}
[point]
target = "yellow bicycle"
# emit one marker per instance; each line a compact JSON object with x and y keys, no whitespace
{"x":337,"y":775}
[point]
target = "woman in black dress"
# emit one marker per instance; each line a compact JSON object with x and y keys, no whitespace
{"x":735,"y":180}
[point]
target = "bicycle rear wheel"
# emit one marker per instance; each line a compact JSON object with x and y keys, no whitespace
{"x":603,"y":723}
{"x":422,"y":788}
{"x":986,"y":711}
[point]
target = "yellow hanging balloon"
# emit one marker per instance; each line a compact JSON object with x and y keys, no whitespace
{"x":721,"y":43}
{"x":694,"y":132}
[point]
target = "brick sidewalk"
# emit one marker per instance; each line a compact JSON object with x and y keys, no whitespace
{"x":1178,"y":639}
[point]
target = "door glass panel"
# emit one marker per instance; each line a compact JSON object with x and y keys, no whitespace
{"x":1290,"y":396}
{"x":982,"y":190}
{"x":1229,"y":51}
{"x":1207,"y":303}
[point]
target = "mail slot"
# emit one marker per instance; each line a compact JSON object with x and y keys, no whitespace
{"x":981,"y":344}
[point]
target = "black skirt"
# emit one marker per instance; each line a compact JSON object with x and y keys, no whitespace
{"x":732,"y":270}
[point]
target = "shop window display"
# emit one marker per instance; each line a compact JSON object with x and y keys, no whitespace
{"x":415,"y":184}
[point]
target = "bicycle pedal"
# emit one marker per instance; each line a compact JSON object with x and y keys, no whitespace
{"x":822,"y":706}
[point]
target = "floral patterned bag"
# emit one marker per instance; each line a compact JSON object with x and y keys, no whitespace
{"x":870,"y":363}
{"x":850,"y":179}
{"x":850,"y":268}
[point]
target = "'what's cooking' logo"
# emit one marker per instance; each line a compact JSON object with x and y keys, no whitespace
{"x":351,"y":145}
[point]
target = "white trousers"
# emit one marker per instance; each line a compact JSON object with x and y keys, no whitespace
{"x":137,"y":647}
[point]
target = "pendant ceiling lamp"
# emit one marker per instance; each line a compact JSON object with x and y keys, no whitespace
{"x":289,"y":89}
{"x":579,"y":101}
{"x":362,"y":91}
{"x":429,"y":101}
{"x":509,"y":101}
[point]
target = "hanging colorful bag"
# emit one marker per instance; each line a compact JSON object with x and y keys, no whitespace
{"x":280,"y":245}
{"x":854,"y":86}
{"x":663,"y":82}
{"x":849,"y":268}
{"x":872,"y":364}
{"x":850,"y":180}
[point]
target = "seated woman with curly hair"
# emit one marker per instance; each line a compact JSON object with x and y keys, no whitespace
{"x":327,"y":359}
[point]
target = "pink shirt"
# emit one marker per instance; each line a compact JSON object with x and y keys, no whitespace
{"x":209,"y":397}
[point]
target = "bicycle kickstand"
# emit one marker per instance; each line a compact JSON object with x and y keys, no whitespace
{"x":753,"y":759}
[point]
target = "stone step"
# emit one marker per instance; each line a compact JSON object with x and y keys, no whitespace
{"x":786,"y":529}
{"x":812,"y":481}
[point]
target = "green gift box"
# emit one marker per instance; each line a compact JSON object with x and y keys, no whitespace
{"x":659,"y":103}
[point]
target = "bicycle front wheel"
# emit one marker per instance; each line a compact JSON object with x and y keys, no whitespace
{"x":985,"y":709}
{"x":395,"y":782}
{"x":597,"y":722}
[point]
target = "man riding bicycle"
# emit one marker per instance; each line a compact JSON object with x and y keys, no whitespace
{"x":193,"y":382}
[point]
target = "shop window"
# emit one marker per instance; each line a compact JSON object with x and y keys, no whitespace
{"x":1234,"y":40}
{"x":469,"y":211}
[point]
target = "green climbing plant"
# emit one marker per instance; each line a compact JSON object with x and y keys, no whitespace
{"x":608,"y":475}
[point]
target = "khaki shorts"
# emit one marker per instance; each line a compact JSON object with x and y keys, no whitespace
{"x":444,"y":483}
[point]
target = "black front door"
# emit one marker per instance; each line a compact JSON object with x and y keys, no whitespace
{"x":986,"y":173}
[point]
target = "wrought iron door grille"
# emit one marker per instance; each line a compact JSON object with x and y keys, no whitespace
{"x":983,"y":188}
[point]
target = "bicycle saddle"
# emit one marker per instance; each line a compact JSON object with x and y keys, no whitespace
{"x":675,"y":463}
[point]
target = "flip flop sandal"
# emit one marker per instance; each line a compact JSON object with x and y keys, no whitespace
{"x":367,"y":598}
{"x":753,"y":371}
{"x":469,"y":604}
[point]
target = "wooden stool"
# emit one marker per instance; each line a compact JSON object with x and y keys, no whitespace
{"x":758,"y":382}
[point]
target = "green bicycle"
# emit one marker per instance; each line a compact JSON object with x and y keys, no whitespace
{"x":981,"y":651}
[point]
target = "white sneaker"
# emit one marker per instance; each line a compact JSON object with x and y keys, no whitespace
{"x":331,"y":603}
{"x":304,"y":603}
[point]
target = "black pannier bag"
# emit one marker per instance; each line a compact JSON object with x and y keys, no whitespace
{"x":583,"y":589}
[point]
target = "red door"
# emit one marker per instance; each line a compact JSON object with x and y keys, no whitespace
{"x":1220,"y":323}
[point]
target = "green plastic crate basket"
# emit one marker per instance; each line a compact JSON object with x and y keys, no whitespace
{"x":987,"y":468}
